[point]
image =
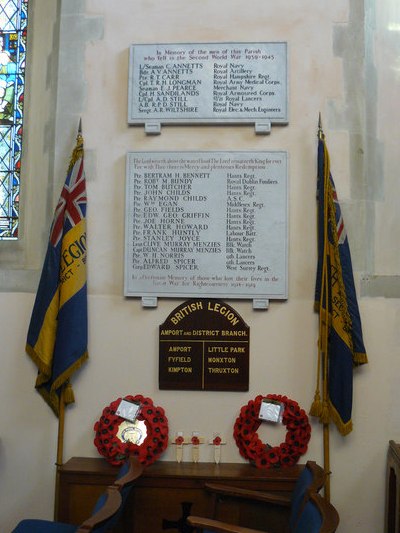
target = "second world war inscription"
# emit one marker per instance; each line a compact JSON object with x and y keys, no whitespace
{"x":208,"y":82}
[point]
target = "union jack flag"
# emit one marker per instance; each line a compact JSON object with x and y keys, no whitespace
{"x":340,"y":227}
{"x":71,"y":202}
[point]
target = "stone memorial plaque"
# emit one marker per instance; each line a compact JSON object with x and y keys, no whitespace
{"x":204,"y":345}
{"x":208,"y":83}
{"x":206,"y":224}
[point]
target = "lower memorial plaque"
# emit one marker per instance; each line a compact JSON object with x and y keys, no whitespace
{"x":206,"y":224}
{"x":204,"y":345}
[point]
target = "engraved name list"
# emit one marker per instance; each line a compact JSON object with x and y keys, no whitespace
{"x":222,"y":82}
{"x":206,"y":223}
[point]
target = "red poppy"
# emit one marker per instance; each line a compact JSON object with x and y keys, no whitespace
{"x":261,"y":462}
{"x":273,"y":455}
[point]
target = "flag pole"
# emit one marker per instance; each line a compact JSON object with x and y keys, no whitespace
{"x":324,"y":317}
{"x":60,"y":449}
{"x":327,"y":486}
{"x":66,"y":396}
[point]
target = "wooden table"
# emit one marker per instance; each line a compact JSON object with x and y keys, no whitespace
{"x":168,"y":491}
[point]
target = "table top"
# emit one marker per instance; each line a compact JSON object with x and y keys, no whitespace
{"x":171,"y":469}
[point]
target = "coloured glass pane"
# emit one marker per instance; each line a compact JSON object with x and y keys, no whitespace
{"x":13,"y":27}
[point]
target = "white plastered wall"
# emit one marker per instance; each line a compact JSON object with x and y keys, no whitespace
{"x":123,"y":339}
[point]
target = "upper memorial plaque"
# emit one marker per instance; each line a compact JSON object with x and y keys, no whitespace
{"x":223,"y":83}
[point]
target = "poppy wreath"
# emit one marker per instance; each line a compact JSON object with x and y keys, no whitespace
{"x":263,"y":455}
{"x":114,"y":450}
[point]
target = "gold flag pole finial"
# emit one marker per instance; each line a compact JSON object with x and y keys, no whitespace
{"x":321,"y":135}
{"x":79,"y":136}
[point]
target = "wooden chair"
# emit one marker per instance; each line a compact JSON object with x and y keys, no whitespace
{"x":106,"y":512}
{"x":316,"y":516}
{"x":312,"y":479}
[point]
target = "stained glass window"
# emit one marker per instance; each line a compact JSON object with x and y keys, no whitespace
{"x":13,"y":26}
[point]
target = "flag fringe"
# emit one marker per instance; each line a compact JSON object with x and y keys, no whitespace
{"x":344,"y":428}
{"x":64,"y":377}
{"x":42,"y":367}
{"x":50,"y":400}
{"x":327,"y":413}
{"x":360,"y":358}
{"x":51,"y":397}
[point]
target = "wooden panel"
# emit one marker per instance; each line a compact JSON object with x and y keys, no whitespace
{"x":160,"y":508}
{"x":169,"y":491}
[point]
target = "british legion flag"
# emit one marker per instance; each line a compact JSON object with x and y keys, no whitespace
{"x":340,"y":342}
{"x":57,"y":335}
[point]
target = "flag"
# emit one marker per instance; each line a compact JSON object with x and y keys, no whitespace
{"x":340,"y":343}
{"x":57,"y":335}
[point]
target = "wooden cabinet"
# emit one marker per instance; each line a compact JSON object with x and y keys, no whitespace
{"x":168,"y":491}
{"x":392,"y":512}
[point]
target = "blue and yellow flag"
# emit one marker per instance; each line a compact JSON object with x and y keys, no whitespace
{"x":57,"y":336}
{"x":340,"y":343}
